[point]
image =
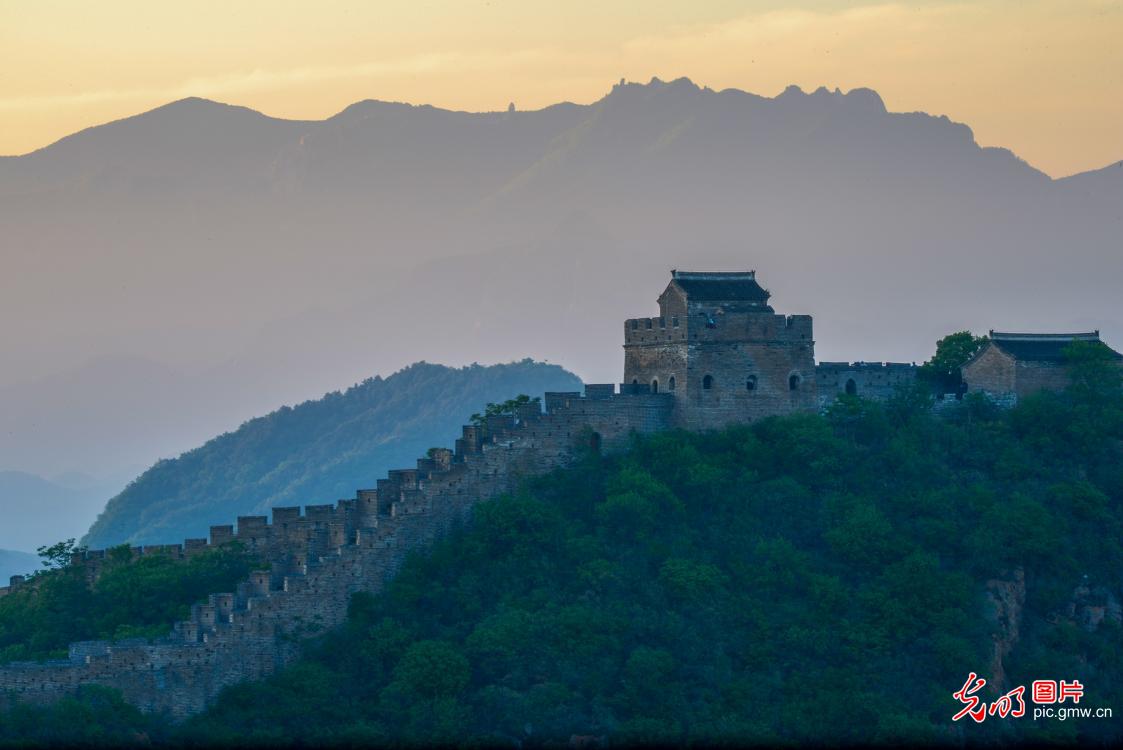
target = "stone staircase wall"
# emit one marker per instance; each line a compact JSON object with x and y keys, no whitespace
{"x":318,"y":558}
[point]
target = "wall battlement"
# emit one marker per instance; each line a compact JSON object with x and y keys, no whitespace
{"x":318,"y":557}
{"x":718,"y":325}
{"x":876,"y":380}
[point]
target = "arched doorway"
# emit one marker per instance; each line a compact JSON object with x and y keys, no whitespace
{"x":707,"y":382}
{"x":793,"y":382}
{"x":851,"y":387}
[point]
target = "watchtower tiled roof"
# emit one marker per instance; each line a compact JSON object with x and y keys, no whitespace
{"x":1042,"y":347}
{"x":740,"y":286}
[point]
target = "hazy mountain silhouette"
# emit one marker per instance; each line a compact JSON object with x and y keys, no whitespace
{"x":314,"y":453}
{"x":39,"y":512}
{"x":261,"y":261}
{"x":16,"y":564}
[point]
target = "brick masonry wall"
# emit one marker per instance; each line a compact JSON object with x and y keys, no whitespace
{"x":740,"y":347}
{"x":320,"y":557}
{"x":991,"y":372}
{"x":873,"y":380}
{"x":1030,"y":377}
{"x":1006,"y":380}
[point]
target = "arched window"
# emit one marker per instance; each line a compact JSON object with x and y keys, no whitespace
{"x":655,"y":385}
{"x":750,"y":383}
{"x":671,"y":383}
{"x":851,"y":387}
{"x":793,"y":382}
{"x":708,"y":382}
{"x":635,"y":381}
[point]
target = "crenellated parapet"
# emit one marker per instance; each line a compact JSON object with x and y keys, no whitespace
{"x":722,"y":351}
{"x":315,"y":557}
{"x":872,"y":380}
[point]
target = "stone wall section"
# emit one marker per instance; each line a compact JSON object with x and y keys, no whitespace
{"x":1031,"y":376}
{"x":991,"y":372}
{"x":873,"y":380}
{"x":728,"y":366}
{"x":318,"y":558}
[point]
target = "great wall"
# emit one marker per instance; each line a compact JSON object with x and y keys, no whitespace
{"x":716,"y":355}
{"x":319,"y":558}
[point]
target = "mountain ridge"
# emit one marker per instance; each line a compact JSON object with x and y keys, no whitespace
{"x":313,"y":452}
{"x":388,"y":233}
{"x":860,"y":96}
{"x":39,"y":512}
{"x":15,"y":563}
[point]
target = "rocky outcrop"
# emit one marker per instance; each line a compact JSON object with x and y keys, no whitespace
{"x":1006,"y":597}
{"x":1092,"y":605}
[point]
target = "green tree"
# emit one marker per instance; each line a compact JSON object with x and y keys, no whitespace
{"x":1095,"y":371}
{"x":58,"y":555}
{"x":432,"y":669}
{"x":506,"y":408}
{"x":952,"y":352}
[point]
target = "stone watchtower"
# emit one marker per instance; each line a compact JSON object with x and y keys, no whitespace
{"x":721,"y":350}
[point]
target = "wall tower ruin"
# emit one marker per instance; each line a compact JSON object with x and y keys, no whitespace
{"x":720,"y":349}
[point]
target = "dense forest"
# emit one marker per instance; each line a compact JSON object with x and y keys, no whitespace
{"x":130,"y":598}
{"x":316,"y":452}
{"x":816,"y":578}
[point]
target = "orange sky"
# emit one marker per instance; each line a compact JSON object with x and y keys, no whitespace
{"x":1042,"y":78}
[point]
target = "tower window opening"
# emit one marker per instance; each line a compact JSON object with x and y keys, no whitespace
{"x":793,"y":382}
{"x":671,"y":383}
{"x":707,"y":382}
{"x":655,"y":385}
{"x":750,"y":383}
{"x":662,"y":322}
{"x":674,"y":321}
{"x":851,"y":387}
{"x":649,"y":323}
{"x":635,"y":324}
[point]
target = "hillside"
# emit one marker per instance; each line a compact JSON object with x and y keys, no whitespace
{"x":316,"y":452}
{"x":131,"y":598}
{"x":487,"y":236}
{"x":810,"y":579}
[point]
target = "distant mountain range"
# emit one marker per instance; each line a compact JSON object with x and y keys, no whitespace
{"x":315,"y":453}
{"x":192,"y":266}
{"x":39,"y":512}
{"x":16,"y":564}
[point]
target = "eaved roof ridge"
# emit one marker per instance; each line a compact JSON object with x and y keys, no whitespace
{"x":676,"y":274}
{"x":1014,"y":336}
